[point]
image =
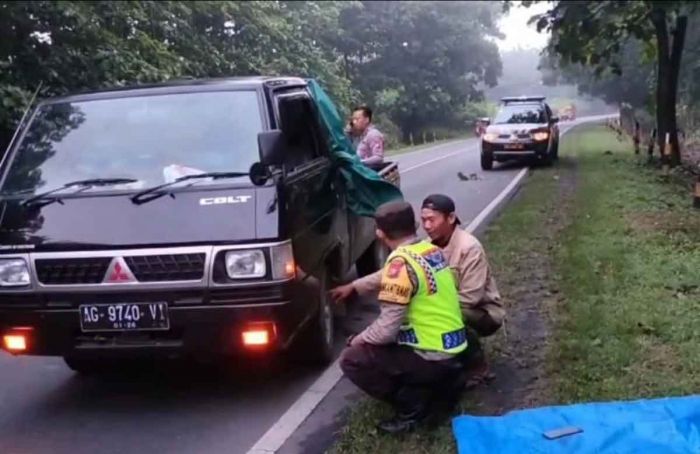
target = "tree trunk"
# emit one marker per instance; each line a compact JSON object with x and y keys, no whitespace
{"x":675,"y":69}
{"x":669,"y":64}
{"x":658,"y":18}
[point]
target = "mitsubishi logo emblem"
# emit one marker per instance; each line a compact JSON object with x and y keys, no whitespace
{"x":118,"y":272}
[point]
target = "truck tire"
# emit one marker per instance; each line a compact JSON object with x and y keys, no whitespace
{"x":372,"y":260}
{"x":315,"y":343}
{"x":555,"y":151}
{"x":486,"y":161}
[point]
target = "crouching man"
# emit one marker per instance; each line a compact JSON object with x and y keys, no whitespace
{"x":482,"y":308}
{"x":408,"y":357}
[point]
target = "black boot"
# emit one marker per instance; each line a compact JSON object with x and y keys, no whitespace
{"x":402,"y":422}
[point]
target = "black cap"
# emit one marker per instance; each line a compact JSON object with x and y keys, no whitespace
{"x":441,"y":203}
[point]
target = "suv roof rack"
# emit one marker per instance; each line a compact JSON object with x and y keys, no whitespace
{"x":513,"y":99}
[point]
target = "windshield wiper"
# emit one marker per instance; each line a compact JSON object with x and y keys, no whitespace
{"x":156,"y":191}
{"x":83,"y":184}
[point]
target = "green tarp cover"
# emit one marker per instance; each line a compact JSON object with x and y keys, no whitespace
{"x":366,"y":190}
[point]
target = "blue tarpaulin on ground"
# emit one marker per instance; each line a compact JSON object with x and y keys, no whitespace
{"x":668,"y":425}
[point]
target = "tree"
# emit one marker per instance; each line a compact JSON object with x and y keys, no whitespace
{"x":420,"y":61}
{"x":75,"y":45}
{"x":593,"y":33}
{"x":632,"y":85}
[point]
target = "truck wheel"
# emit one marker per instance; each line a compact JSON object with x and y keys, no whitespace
{"x":373,"y":259}
{"x":315,"y":344}
{"x":486,"y":161}
{"x":555,"y":152}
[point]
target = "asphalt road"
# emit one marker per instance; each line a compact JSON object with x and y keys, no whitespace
{"x":45,"y":408}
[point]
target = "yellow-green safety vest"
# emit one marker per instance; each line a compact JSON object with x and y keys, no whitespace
{"x":434,"y":321}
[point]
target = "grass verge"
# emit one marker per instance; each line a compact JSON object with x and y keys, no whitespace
{"x":629,"y":265}
{"x":619,"y":257}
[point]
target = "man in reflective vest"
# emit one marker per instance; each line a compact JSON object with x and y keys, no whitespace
{"x":408,"y":355}
{"x":482,"y":308}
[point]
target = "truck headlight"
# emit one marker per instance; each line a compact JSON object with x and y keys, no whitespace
{"x":14,"y":273}
{"x":540,"y":136}
{"x":245,"y":264}
{"x":283,"y":265}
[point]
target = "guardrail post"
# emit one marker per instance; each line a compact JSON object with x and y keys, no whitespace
{"x":636,"y":138}
{"x":666,"y":157}
{"x":652,"y":143}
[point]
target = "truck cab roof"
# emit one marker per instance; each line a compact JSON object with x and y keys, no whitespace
{"x":185,"y":85}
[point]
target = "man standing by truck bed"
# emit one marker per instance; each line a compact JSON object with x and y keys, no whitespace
{"x":480,"y":300}
{"x":367,"y":138}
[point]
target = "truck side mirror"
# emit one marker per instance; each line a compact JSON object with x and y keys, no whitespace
{"x":272,"y":146}
{"x":554,"y":120}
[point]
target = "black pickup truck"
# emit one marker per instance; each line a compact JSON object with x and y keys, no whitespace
{"x":201,"y":218}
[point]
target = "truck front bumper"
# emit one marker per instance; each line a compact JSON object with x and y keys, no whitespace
{"x":197,"y":328}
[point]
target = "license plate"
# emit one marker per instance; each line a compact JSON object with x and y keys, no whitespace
{"x":514,"y":146}
{"x":124,"y":317}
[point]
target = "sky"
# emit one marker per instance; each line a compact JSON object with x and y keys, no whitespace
{"x":518,"y":33}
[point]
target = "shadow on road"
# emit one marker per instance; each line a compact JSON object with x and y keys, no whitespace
{"x":511,"y":165}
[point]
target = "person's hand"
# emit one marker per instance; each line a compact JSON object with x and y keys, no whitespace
{"x":356,"y":340}
{"x":341,"y":293}
{"x":353,"y":339}
{"x":348,"y":341}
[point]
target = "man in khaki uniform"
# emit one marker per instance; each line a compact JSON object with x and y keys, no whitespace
{"x":479,"y":298}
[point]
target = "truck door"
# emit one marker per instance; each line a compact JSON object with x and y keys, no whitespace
{"x":314,"y":213}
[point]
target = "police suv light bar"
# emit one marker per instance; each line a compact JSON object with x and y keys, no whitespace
{"x":509,"y":99}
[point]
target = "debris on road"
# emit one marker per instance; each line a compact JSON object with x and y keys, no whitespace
{"x":470,"y":177}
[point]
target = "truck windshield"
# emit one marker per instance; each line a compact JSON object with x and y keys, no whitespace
{"x":151,"y":139}
{"x":520,"y":114}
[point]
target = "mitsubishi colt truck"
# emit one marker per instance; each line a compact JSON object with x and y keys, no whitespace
{"x":195,"y":219}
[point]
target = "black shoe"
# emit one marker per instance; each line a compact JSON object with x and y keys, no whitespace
{"x":401,"y":423}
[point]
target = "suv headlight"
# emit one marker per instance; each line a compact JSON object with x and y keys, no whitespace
{"x":540,"y":136}
{"x":245,"y":264}
{"x":14,"y":273}
{"x":490,"y":137}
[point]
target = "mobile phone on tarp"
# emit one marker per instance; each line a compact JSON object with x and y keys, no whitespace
{"x":562,"y":432}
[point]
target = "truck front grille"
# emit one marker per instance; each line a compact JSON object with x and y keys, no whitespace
{"x":167,"y":267}
{"x":145,"y":268}
{"x":72,"y":270}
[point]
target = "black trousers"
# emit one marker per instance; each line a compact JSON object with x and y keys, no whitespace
{"x":397,"y":375}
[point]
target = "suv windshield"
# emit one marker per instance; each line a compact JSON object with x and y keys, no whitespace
{"x":520,"y":113}
{"x":151,"y":139}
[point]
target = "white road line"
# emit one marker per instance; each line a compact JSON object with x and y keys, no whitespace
{"x":430,"y":148}
{"x":431,"y":161}
{"x":285,"y":426}
{"x":486,"y":212}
